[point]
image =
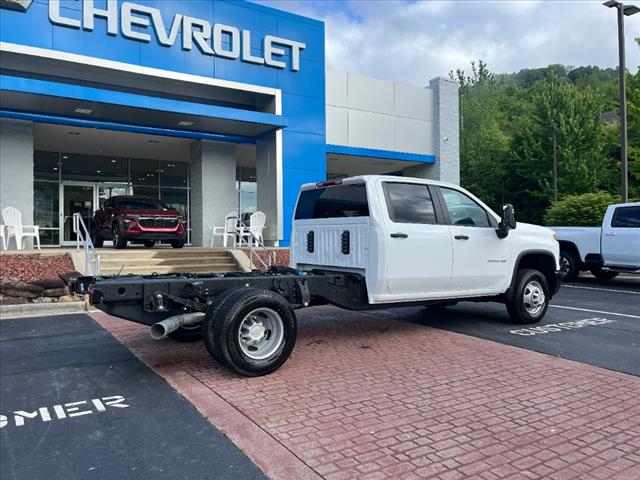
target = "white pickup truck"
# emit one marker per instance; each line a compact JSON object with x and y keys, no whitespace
{"x":359,"y":243}
{"x":606,"y":251}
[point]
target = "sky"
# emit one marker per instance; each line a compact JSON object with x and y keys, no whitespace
{"x":413,"y":41}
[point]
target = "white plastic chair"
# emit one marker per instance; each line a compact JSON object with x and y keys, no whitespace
{"x":12,"y":218}
{"x":3,"y":237}
{"x":254,"y":232}
{"x":228,"y":230}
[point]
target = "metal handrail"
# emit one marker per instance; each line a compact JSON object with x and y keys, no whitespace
{"x":91,"y":257}
{"x":244,"y":228}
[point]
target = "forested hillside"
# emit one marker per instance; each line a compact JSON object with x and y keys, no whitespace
{"x":506,"y":124}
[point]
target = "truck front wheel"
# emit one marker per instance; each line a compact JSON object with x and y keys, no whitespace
{"x":569,"y":266}
{"x":530,"y":298}
{"x":251,"y":331}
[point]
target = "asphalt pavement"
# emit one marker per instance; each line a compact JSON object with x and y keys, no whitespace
{"x":589,"y":321}
{"x":76,"y":404}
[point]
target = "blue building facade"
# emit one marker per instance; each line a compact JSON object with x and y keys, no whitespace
{"x":220,"y":76}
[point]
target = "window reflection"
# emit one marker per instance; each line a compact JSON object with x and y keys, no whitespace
{"x":94,"y":168}
{"x":107,"y":176}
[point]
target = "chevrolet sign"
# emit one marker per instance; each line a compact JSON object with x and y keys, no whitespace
{"x":142,"y":23}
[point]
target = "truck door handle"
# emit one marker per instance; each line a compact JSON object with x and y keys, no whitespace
{"x":610,"y":234}
{"x":399,"y":235}
{"x":461,"y":237}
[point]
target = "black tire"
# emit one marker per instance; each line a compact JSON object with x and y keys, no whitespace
{"x":603,"y":275}
{"x":213,"y":310}
{"x":224,"y":319}
{"x":525,"y":305}
{"x":179,"y":243}
{"x":191,"y":333}
{"x":96,"y":239}
{"x":118,"y":241}
{"x":149,"y":243}
{"x":569,"y":266}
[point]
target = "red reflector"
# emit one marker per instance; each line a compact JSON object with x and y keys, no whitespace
{"x":330,"y":183}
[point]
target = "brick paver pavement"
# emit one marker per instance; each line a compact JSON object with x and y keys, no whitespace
{"x":368,"y":397}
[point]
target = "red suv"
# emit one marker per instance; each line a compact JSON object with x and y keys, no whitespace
{"x":138,"y":220}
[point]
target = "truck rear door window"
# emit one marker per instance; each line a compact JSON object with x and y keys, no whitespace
{"x":409,"y":203}
{"x":333,"y":202}
{"x":626,"y":217}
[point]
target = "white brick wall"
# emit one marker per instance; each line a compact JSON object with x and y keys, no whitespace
{"x":378,"y":114}
{"x":371,"y":113}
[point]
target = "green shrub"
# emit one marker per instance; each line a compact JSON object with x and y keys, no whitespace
{"x":586,"y":210}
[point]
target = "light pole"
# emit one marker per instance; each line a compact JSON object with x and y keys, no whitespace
{"x":623,"y":10}
{"x":554,"y":165}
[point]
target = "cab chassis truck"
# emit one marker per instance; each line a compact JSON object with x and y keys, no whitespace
{"x":360,"y":243}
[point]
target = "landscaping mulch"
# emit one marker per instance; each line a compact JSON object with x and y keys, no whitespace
{"x":282,"y":257}
{"x":32,"y":268}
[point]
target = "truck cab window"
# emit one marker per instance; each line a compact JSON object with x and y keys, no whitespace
{"x":333,"y":202}
{"x":626,"y":217}
{"x":409,"y":203}
{"x":463,"y":211}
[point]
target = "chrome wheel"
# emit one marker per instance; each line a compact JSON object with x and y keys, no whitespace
{"x":261,"y":333}
{"x":533,"y":298}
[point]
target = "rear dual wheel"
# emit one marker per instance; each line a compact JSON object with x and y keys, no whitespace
{"x":251,"y":331}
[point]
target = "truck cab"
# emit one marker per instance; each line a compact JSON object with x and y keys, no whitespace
{"x":416,"y":240}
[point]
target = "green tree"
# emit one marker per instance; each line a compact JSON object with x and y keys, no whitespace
{"x":483,"y":145}
{"x":576,"y":116}
{"x":633,"y":130}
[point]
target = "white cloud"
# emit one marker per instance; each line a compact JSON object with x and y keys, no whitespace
{"x":413,"y":41}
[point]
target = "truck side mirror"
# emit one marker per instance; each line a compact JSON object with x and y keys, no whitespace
{"x":508,"y":221}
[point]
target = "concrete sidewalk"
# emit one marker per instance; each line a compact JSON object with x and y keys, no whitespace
{"x":371,"y":397}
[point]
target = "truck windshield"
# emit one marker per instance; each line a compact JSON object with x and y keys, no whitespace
{"x":333,"y":202}
{"x":140,"y":203}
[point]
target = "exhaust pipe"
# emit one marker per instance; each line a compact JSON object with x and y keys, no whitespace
{"x":171,"y":324}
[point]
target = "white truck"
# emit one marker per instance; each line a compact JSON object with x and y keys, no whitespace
{"x":606,"y":251}
{"x":359,"y":243}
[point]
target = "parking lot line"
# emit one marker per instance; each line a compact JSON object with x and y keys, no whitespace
{"x":601,"y":289}
{"x":595,"y":311}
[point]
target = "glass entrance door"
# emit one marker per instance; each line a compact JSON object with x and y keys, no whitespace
{"x":76,"y":198}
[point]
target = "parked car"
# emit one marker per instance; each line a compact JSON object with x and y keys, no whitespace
{"x":136,"y":219}
{"x":606,"y":251}
{"x":360,"y":243}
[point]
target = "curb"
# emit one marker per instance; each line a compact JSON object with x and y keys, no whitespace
{"x":8,"y":312}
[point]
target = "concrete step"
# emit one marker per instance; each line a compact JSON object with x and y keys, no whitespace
{"x":160,"y":253}
{"x":149,"y":269}
{"x":168,"y":261}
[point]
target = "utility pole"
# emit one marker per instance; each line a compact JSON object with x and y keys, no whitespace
{"x":622,"y":10}
{"x":554,"y":168}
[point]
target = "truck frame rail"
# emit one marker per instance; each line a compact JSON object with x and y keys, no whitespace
{"x":146,"y":299}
